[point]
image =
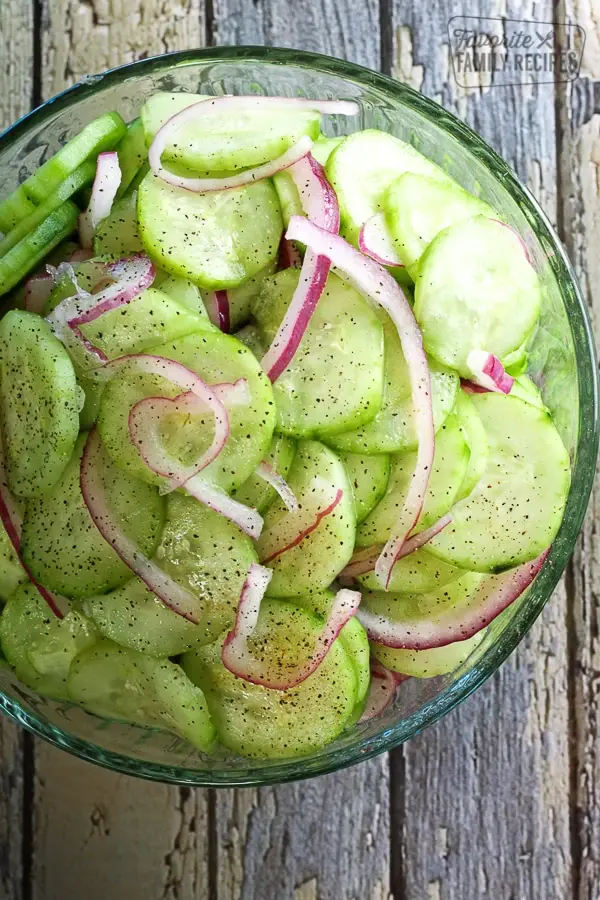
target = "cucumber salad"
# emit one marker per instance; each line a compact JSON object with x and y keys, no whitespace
{"x":269,"y":445}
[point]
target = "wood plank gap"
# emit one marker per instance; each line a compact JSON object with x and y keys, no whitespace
{"x":28,"y":749}
{"x":386,"y":35}
{"x":36,"y":75}
{"x":576,"y":846}
{"x":213,"y":844}
{"x":397,"y":821}
{"x":209,"y":24}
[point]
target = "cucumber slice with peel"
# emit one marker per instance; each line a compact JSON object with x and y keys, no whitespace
{"x":416,"y":573}
{"x":335,"y":379}
{"x":185,"y":292}
{"x":476,"y":290}
{"x":12,"y":573}
{"x":369,"y":476}
{"x":119,"y":684}
{"x":217,"y":240}
{"x":256,"y":491}
{"x":267,"y":724}
{"x":474,"y":434}
{"x":117,"y":235}
{"x":40,"y":402}
{"x":63,"y":548}
{"x":447,"y":475}
{"x":303,"y":565}
{"x":516,"y":508}
{"x":239,"y":299}
{"x":427,"y":663}
{"x":38,"y":645}
{"x":132,"y":154}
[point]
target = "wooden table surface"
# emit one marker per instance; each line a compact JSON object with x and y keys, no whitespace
{"x":501,"y":799}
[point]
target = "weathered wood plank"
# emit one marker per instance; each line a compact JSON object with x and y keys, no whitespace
{"x":579,"y":158}
{"x":102,"y":835}
{"x":326,"y":839}
{"x":482,"y":809}
{"x":16,"y":88}
{"x":81,"y":37}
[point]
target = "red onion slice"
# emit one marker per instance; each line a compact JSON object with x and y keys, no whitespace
{"x":245,"y":517}
{"x":266,"y":471}
{"x":469,"y":387}
{"x":374,"y":282}
{"x":365,"y":560}
{"x":237,"y":656}
{"x":217,"y":307}
{"x":488,"y":372}
{"x":172,"y":594}
{"x":37,"y":290}
{"x":457,"y":623}
{"x":381,"y":692}
{"x":104,"y":190}
{"x":12,"y":520}
{"x":376,"y":241}
{"x":311,"y":525}
{"x":289,"y":256}
{"x":198,"y":111}
{"x":320,"y":205}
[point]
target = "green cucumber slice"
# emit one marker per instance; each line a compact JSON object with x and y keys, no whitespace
{"x":225,"y":141}
{"x":188,"y":294}
{"x":103,"y":133}
{"x":362,"y":169}
{"x":40,"y":402}
{"x":257,"y":492}
{"x":476,"y":291}
{"x":216,"y":358}
{"x":524,"y":389}
{"x":261,"y":723}
{"x":392,"y":430}
{"x":335,"y":379}
{"x":132,"y":154}
{"x":63,"y":548}
{"x":218,"y":240}
{"x":427,"y":663}
{"x":416,"y":573}
{"x":474,"y":434}
{"x":92,"y":391}
{"x":36,"y":245}
{"x":369,"y":476}
{"x":117,"y":234}
{"x":516,"y":508}
{"x":447,"y":475}
{"x":202,"y":551}
{"x":316,"y":477}
{"x":240,"y":298}
{"x":81,"y":176}
{"x":120,"y":684}
{"x":39,"y":646}
{"x":88,"y":275}
{"x":12,"y":573}
{"x":418,"y":207}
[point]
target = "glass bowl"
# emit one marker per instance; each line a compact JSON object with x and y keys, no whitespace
{"x":562,"y":363}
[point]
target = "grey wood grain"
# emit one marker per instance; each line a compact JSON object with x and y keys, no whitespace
{"x":579,"y":157}
{"x":483,"y":798}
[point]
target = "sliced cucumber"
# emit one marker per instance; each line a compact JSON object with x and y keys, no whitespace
{"x":225,"y":141}
{"x":418,"y":207}
{"x":324,"y":147}
{"x":427,"y":663}
{"x":316,"y":476}
{"x":240,"y":298}
{"x":474,"y":434}
{"x":216,"y":358}
{"x":39,"y":646}
{"x":251,"y":337}
{"x":218,"y":240}
{"x":289,"y":198}
{"x":150,"y":320}
{"x":132,"y":154}
{"x":88,"y":275}
{"x":81,"y":176}
{"x":117,"y":234}
{"x":266,"y":724}
{"x":36,"y":245}
{"x":12,"y":573}
{"x":63,"y":548}
{"x":120,"y":684}
{"x":188,"y":294}
{"x":39,"y":399}
{"x":476,"y":291}
{"x":362,"y":169}
{"x":257,"y":492}
{"x":335,"y":379}
{"x":524,"y":389}
{"x":447,"y":475}
{"x":369,"y":476}
{"x":92,"y":391}
{"x":416,"y":573}
{"x":103,"y":133}
{"x":516,"y":508}
{"x":392,"y":430}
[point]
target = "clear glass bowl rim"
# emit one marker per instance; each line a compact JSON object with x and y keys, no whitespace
{"x":583,"y":470}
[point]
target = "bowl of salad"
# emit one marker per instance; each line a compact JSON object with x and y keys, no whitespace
{"x":298,"y":409}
